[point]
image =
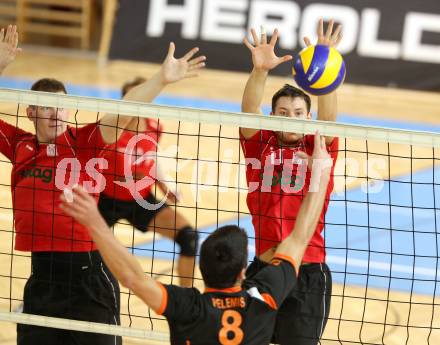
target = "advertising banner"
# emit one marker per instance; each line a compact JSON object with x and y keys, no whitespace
{"x":385,"y":43}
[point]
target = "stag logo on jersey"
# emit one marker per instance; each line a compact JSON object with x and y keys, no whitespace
{"x":44,"y":174}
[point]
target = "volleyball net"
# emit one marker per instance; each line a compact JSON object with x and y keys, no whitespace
{"x":381,"y":227}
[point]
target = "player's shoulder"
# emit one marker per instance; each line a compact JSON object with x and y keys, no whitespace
{"x":24,"y":141}
{"x":7,"y":128}
{"x":280,"y":265}
{"x":183,"y":295}
{"x":182,"y":304}
{"x":257,"y":134}
{"x":257,"y":141}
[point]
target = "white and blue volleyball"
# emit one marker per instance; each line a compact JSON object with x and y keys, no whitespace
{"x":319,"y":69}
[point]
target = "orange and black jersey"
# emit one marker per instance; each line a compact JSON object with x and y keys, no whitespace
{"x":239,"y":315}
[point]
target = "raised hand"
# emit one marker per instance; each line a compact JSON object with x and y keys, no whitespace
{"x":320,"y":149}
{"x":263,"y":54}
{"x":8,"y":46}
{"x":174,"y":69}
{"x":319,"y":156}
{"x":330,"y":38}
{"x":80,"y":205}
{"x":322,"y":160}
{"x":321,"y":164}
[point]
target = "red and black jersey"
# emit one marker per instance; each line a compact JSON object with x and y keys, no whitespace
{"x":275,"y":193}
{"x":138,"y":165}
{"x":40,"y":225}
{"x":241,"y":315}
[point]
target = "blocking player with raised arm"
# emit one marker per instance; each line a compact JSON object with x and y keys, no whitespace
{"x":68,"y":279}
{"x":231,"y":310}
{"x":117,"y":202}
{"x":275,"y":204}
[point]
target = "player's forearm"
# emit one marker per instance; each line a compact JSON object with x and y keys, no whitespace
{"x":328,"y":107}
{"x":148,"y":91}
{"x":145,"y":93}
{"x":137,"y":125}
{"x":254,"y":91}
{"x":307,"y":220}
{"x":121,"y":263}
{"x":112,"y":125}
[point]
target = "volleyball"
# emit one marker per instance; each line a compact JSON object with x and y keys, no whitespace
{"x":319,"y":69}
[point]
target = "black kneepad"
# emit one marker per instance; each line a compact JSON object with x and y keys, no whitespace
{"x":188,"y":240}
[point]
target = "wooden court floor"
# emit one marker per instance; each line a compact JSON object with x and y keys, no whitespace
{"x":405,"y":322}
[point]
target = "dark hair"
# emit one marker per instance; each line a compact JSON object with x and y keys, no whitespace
{"x":49,"y":85}
{"x":292,"y":92}
{"x":222,"y":256}
{"x":131,"y":84}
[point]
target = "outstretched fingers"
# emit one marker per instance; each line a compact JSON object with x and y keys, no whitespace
{"x":263,"y":35}
{"x":337,"y":36}
{"x":320,"y":28}
{"x":317,"y":139}
{"x":81,"y":193}
{"x":197,"y":60}
{"x":336,"y":33}
{"x":328,"y":33}
{"x":286,"y":58}
{"x":9,"y":33}
{"x":68,"y":206}
{"x":274,"y":38}
{"x":16,"y":42}
{"x":194,"y":65}
{"x":248,"y":44}
{"x":193,"y":69}
{"x":254,"y":36}
{"x":307,"y":41}
{"x":13,"y":36}
{"x":188,"y":56}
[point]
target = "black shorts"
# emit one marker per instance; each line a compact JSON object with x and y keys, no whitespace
{"x":302,"y":317}
{"x":114,"y":210}
{"x":72,"y":286}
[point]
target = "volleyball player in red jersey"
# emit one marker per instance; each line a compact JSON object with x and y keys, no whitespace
{"x":117,"y":202}
{"x":231,"y":310}
{"x":281,"y":185}
{"x":68,"y":277}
